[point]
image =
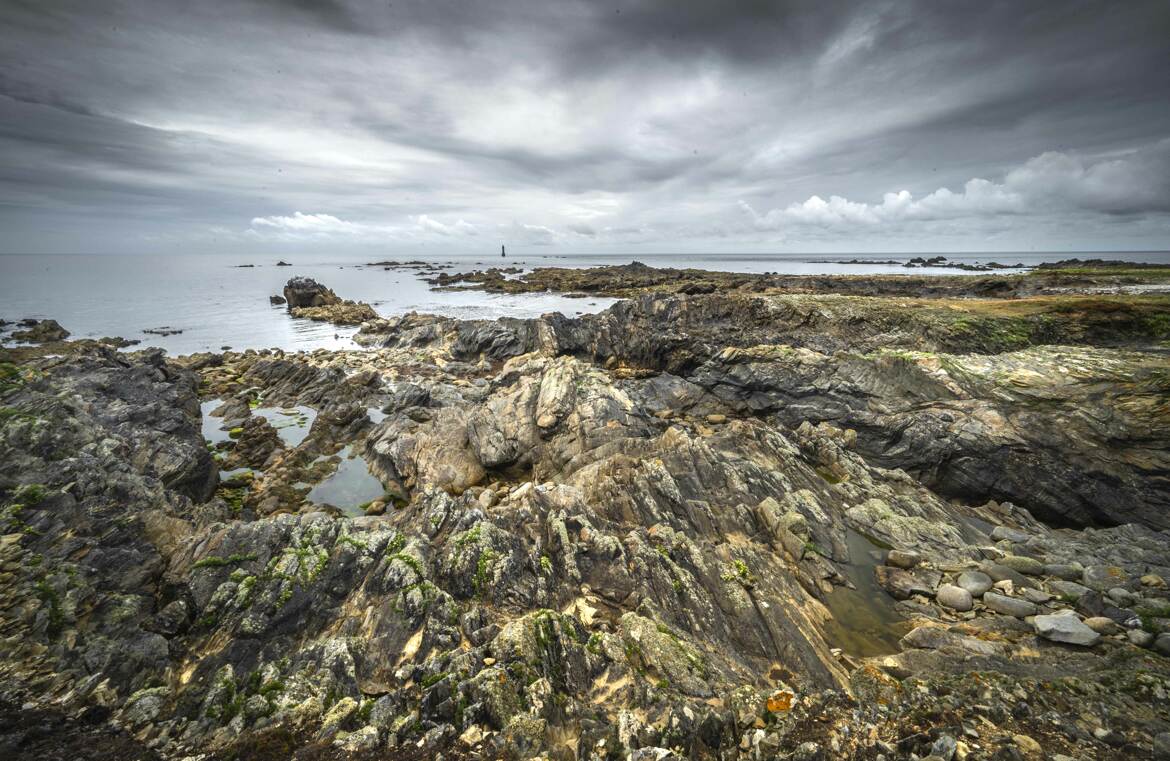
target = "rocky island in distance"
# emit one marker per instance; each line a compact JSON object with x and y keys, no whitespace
{"x":733,"y":516}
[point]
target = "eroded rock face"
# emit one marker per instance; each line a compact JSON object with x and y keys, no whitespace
{"x":954,"y":420}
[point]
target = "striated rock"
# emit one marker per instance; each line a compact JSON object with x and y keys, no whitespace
{"x":903,"y":559}
{"x":903,"y":584}
{"x":938,"y":638}
{"x":1003,"y":533}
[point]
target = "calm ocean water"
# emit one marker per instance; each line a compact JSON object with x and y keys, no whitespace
{"x":215,"y":303}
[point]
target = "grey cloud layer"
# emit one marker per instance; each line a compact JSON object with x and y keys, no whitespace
{"x":151,"y":125}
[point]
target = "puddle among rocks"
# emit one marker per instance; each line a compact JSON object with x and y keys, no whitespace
{"x":292,"y":424}
{"x":350,"y":487}
{"x":375,"y":415}
{"x":213,"y":430}
{"x":864,"y":621}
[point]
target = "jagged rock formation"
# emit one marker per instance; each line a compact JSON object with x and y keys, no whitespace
{"x":306,"y":292}
{"x":40,"y":331}
{"x":311,"y":300}
{"x":715,"y":526}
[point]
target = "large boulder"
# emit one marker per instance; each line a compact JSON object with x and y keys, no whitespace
{"x":306,"y":292}
{"x":1065,"y":628}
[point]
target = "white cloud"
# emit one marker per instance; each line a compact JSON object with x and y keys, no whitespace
{"x":1053,"y":182}
{"x":300,"y":226}
{"x":432,"y":225}
{"x":533,"y":235}
{"x":307,"y":225}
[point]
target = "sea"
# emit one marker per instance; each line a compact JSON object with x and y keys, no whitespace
{"x":207,"y":302}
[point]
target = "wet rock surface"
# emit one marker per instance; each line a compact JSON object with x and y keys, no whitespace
{"x":700,"y":526}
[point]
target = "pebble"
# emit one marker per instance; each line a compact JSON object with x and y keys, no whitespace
{"x":1065,"y":571}
{"x":999,"y":572}
{"x":1103,"y":625}
{"x":1030,"y":566}
{"x":944,"y":747}
{"x":955,"y":598}
{"x":716,"y":419}
{"x":1069,"y":589}
{"x":975,"y":582}
{"x":1123,"y":597}
{"x":1153,"y":580}
{"x":1009,"y":606}
{"x":1140,"y":637}
{"x":1026,"y":744}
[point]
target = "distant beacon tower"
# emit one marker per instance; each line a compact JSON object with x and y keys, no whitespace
{"x":502,"y":253}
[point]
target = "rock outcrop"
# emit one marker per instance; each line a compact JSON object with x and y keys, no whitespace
{"x":308,"y":299}
{"x":40,"y":331}
{"x":708,"y":526}
{"x":306,"y":292}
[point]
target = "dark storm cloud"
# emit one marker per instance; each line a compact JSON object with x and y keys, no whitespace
{"x":332,"y":14}
{"x":583,"y":124}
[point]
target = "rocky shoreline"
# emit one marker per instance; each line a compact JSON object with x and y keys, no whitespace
{"x":731,"y":517}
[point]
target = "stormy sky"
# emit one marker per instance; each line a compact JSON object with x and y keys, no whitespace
{"x":637,"y":125}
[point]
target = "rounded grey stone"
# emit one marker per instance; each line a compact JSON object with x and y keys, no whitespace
{"x":1009,"y":606}
{"x":953,"y":597}
{"x":975,"y":582}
